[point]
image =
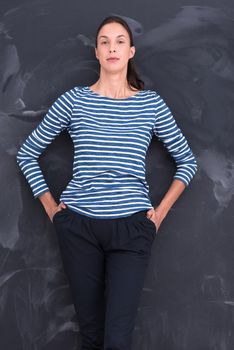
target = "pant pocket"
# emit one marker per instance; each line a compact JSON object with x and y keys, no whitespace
{"x":143,"y":220}
{"x":60,"y":213}
{"x":151,"y":223}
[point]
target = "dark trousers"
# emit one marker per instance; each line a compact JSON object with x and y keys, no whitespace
{"x":105,"y":261}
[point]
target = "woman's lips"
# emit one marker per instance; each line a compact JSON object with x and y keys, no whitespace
{"x":112,"y":59}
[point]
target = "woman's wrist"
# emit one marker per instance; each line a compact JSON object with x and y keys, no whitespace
{"x":163,"y":208}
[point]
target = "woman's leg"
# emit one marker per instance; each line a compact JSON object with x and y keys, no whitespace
{"x":83,"y":262}
{"x":127,"y":257}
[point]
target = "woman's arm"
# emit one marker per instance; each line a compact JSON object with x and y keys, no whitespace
{"x":167,"y":131}
{"x":56,"y":120}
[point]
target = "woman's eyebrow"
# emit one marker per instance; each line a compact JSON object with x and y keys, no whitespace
{"x":105,"y":36}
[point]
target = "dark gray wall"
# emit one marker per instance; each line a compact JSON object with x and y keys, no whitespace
{"x":184,"y":51}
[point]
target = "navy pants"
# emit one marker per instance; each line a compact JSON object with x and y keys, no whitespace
{"x":105,"y":261}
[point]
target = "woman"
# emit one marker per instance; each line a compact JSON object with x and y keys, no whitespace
{"x":105,"y":222}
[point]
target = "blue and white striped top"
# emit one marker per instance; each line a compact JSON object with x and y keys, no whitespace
{"x":111,"y":137}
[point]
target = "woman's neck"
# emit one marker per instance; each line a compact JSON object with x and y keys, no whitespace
{"x":114,"y":90}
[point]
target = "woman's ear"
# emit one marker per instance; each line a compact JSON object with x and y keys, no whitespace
{"x":96,"y":54}
{"x":132,"y":51}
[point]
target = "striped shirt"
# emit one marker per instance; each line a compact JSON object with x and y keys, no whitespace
{"x":111,"y":137}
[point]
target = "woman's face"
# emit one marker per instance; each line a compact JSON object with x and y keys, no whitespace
{"x":113,"y":41}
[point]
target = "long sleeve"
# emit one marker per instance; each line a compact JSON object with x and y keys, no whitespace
{"x":54,"y":122}
{"x":167,"y":131}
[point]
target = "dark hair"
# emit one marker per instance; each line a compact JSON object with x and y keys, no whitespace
{"x":132,"y":74}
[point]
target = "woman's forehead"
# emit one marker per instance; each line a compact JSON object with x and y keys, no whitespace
{"x":112,"y":29}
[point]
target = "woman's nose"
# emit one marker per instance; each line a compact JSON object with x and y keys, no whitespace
{"x":112,"y":47}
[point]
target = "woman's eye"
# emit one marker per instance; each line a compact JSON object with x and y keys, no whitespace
{"x":104,"y":42}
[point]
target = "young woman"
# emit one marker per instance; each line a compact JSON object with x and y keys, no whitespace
{"x":105,"y":222}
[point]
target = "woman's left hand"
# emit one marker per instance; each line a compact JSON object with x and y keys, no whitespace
{"x":156,"y":215}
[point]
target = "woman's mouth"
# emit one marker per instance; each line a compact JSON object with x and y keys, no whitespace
{"x":112,"y":59}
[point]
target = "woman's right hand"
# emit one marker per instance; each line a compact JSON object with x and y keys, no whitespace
{"x":59,"y":207}
{"x":50,"y":205}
